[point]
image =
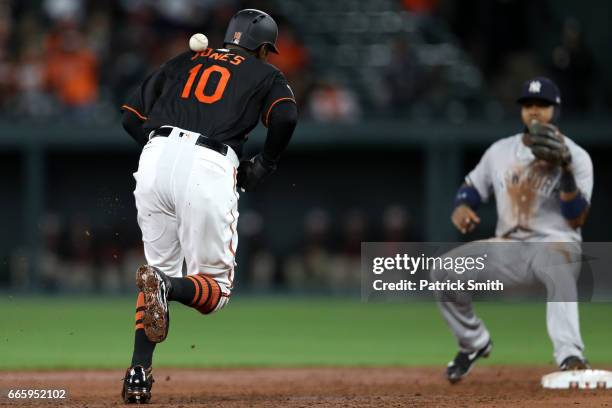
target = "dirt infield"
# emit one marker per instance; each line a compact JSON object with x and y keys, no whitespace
{"x":308,"y":387}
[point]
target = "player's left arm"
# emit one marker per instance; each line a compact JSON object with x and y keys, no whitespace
{"x":280,"y":117}
{"x":140,"y":103}
{"x":576,"y":186}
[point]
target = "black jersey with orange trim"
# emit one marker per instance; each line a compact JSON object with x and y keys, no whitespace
{"x":219,"y":93}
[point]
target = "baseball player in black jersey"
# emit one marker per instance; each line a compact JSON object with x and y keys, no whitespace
{"x":193,"y":116}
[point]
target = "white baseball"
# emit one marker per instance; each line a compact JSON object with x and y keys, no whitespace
{"x":198,"y":42}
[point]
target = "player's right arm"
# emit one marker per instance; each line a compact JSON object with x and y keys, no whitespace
{"x":140,"y":103}
{"x":464,"y":216}
{"x":473,"y":191}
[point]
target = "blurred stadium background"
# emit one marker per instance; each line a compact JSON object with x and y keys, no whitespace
{"x":398,"y":100}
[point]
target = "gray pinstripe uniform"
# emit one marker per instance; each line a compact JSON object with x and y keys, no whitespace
{"x":527,"y":198}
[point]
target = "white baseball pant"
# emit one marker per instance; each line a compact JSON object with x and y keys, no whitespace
{"x":187,"y":207}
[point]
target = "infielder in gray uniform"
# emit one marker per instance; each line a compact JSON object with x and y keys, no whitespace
{"x":542,"y":183}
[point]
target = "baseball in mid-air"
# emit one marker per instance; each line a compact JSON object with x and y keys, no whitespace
{"x":198,"y":42}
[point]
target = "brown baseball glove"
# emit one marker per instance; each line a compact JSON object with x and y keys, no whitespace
{"x":547,"y":143}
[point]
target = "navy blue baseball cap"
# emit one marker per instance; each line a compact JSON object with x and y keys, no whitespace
{"x":540,"y":88}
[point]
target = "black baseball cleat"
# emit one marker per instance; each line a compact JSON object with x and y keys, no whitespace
{"x":155,"y":286}
{"x":463,"y":362}
{"x":572,"y":363}
{"x":137,"y":385}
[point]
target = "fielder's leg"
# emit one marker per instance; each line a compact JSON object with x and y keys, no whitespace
{"x":471,"y":333}
{"x":563,"y":326}
{"x":558,"y":268}
{"x":472,"y":336}
{"x":456,"y":307}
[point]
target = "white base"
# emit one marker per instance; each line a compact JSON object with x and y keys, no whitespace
{"x":578,"y":379}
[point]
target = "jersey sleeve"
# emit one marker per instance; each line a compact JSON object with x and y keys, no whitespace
{"x":582,"y":167}
{"x":144,"y":97}
{"x":280,"y":92}
{"x":480,"y":176}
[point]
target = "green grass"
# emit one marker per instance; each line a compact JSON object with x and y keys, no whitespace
{"x":97,"y":333}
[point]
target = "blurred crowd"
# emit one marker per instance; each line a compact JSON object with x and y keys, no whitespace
{"x":80,"y":255}
{"x":513,"y":40}
{"x":77,"y":59}
{"x":327,"y":257}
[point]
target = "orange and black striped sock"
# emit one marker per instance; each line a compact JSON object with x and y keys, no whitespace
{"x":198,"y":291}
{"x":143,"y":348}
{"x":183,"y":290}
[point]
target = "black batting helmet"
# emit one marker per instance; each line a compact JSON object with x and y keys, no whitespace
{"x":250,"y":29}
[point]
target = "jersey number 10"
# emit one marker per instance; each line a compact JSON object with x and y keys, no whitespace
{"x":199,"y":90}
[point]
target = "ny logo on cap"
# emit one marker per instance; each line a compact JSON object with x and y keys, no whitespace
{"x":534,"y":86}
{"x":237,"y":36}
